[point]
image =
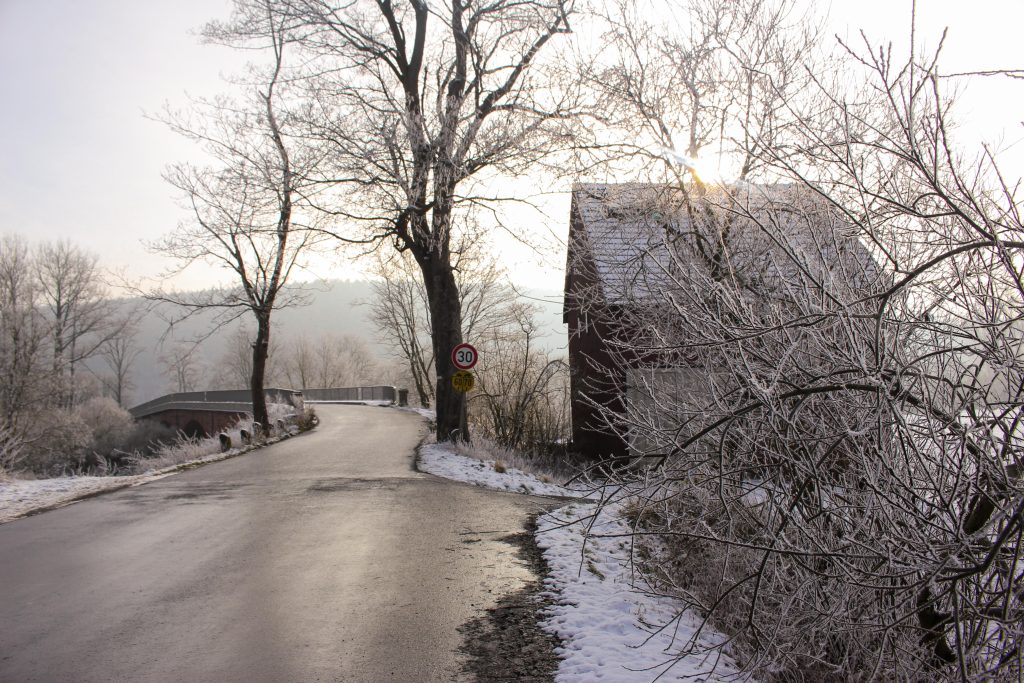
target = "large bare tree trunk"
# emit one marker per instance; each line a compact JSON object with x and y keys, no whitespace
{"x":260,"y":350}
{"x":446,"y":319}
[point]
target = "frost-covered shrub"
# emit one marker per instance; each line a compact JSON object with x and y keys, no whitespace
{"x":146,"y":437}
{"x":111,"y":424}
{"x":544,"y":466}
{"x":307,"y":420}
{"x":56,"y":442}
{"x":12,"y":451}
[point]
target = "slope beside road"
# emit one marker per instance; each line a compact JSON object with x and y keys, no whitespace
{"x":323,"y":558}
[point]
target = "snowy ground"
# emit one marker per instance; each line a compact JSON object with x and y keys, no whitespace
{"x":611,"y":628}
{"x":440,"y":460}
{"x":20,"y":497}
{"x":422,"y":412}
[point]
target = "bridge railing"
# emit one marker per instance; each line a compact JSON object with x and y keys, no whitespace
{"x":376,"y":393}
{"x":231,"y":398}
{"x":238,"y":400}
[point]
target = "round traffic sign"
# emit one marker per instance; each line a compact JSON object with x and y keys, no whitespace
{"x":463,"y":381}
{"x":464,"y":356}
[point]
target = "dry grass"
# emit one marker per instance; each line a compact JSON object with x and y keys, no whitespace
{"x":546,"y":468}
{"x":186,"y":449}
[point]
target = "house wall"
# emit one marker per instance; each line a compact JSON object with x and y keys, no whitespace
{"x":665,"y":398}
{"x":594,"y":375}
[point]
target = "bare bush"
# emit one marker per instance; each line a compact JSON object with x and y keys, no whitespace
{"x":839,"y":484}
{"x":109,"y":422}
{"x":522,"y":399}
{"x":56,"y":442}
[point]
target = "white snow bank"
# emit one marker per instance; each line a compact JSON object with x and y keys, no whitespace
{"x":428,"y":413}
{"x":612,"y":628}
{"x":439,"y":459}
{"x":19,"y":497}
{"x":609,"y":626}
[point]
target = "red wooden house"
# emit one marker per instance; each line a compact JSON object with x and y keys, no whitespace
{"x":617,"y":258}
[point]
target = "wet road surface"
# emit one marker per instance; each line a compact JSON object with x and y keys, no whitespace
{"x":322,"y":558}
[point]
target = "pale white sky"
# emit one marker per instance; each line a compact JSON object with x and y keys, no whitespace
{"x":80,"y":161}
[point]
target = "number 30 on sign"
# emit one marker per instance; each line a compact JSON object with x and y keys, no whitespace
{"x":464,"y":357}
{"x":463,"y":381}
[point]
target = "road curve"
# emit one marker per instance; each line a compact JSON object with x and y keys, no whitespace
{"x":321,"y":558}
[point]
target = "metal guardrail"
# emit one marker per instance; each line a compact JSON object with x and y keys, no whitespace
{"x":232,"y":400}
{"x":378,"y":393}
{"x":238,"y":400}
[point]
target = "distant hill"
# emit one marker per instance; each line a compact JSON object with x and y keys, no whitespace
{"x":336,"y":307}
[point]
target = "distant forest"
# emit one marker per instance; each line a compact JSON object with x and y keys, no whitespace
{"x":336,"y":309}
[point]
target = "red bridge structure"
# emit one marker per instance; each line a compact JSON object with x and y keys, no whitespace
{"x":204,"y":413}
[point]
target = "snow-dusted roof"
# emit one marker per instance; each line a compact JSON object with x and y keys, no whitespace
{"x":625,"y":228}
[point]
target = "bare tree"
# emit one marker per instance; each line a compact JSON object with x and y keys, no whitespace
{"x":300,"y":363}
{"x":416,"y":101}
{"x":82,"y":315}
{"x":24,"y":335}
{"x":522,"y":399}
{"x":234,"y":369}
{"x":400,"y":312}
{"x":688,"y":90}
{"x":182,"y":367}
{"x":244,"y":208}
{"x":838,"y":437}
{"x":329,"y":361}
{"x":120,"y":354}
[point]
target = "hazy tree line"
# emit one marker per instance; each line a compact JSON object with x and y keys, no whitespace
{"x":293,"y":362}
{"x":66,"y":356}
{"x":69,"y":353}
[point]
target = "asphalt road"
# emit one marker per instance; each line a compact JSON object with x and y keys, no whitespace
{"x":321,"y":558}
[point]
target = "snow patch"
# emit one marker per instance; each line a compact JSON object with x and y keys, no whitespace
{"x":612,"y":628}
{"x":383,"y":404}
{"x":20,"y":497}
{"x":439,"y":459}
{"x":428,"y":413}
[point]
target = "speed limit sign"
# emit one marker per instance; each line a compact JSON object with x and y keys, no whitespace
{"x":464,"y":356}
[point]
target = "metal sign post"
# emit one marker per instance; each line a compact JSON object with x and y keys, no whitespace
{"x":464,"y":357}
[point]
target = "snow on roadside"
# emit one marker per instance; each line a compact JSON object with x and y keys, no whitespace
{"x":422,"y":412}
{"x":609,"y":626}
{"x":610,"y":629}
{"x":439,"y":459}
{"x":20,"y":497}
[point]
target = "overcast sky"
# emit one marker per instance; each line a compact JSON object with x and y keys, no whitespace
{"x":80,"y":161}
